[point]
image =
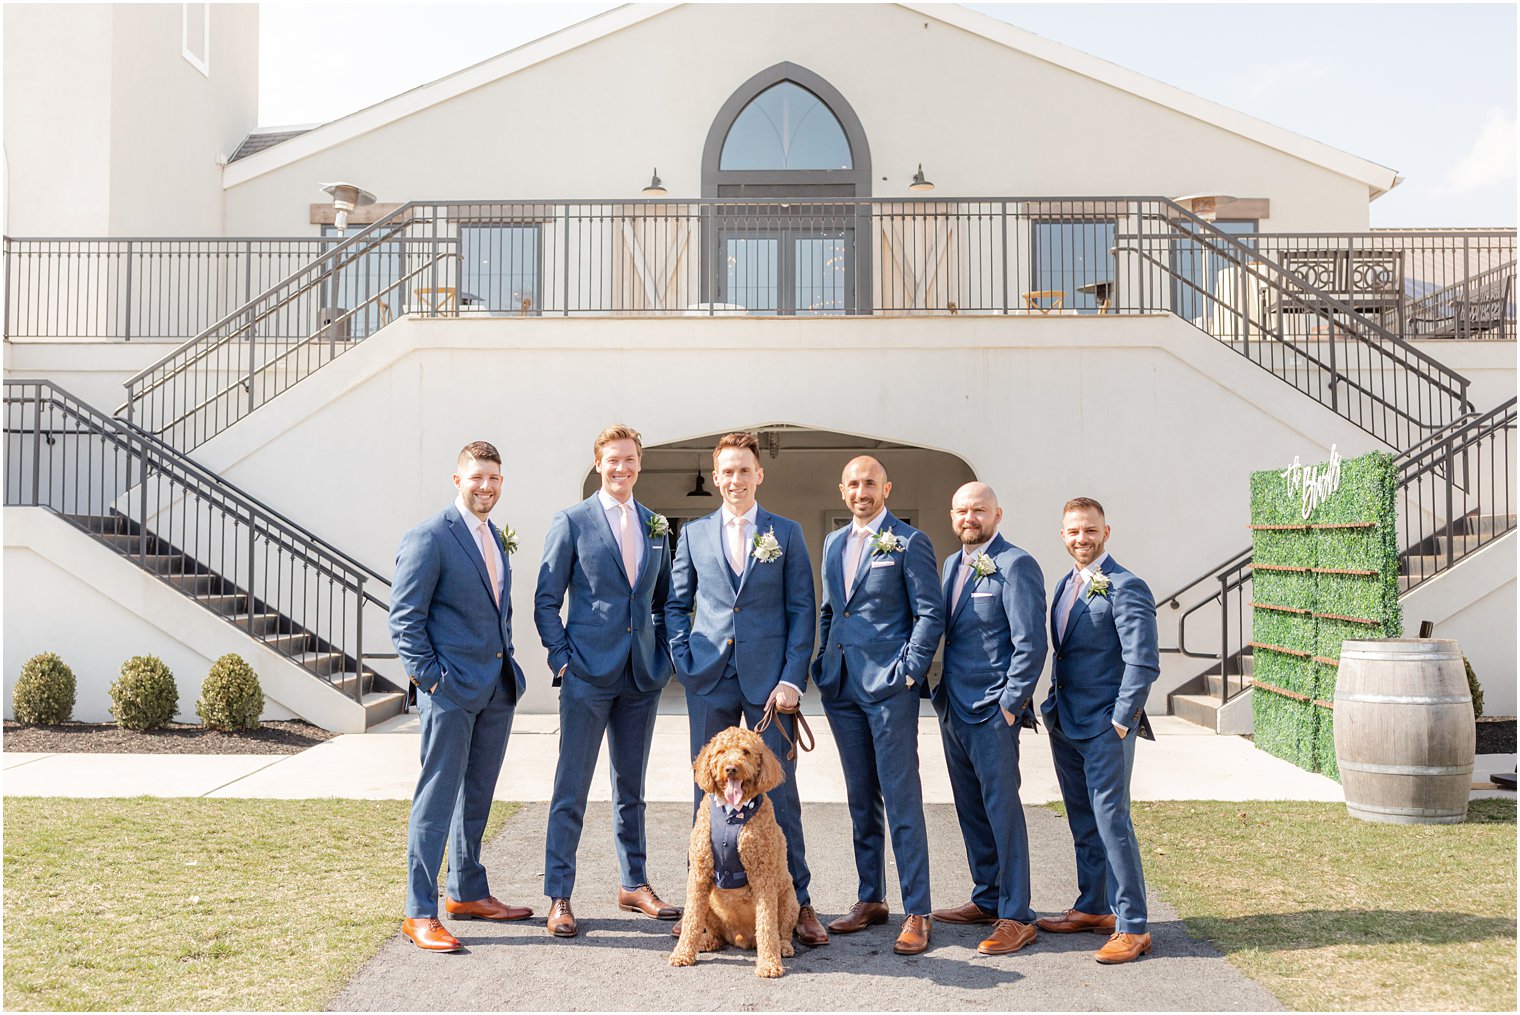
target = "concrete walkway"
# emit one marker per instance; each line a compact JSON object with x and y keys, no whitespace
{"x":1186,"y":762}
{"x":619,"y":960}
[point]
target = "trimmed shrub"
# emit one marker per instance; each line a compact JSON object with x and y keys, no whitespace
{"x":1473,"y":687}
{"x":144,"y":696}
{"x":231,"y":698}
{"x":45,"y":691}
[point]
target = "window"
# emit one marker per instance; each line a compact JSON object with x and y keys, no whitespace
{"x":500,"y":270}
{"x":786,"y":127}
{"x":1195,"y":285}
{"x":195,"y":36}
{"x":368,"y":287}
{"x":1070,"y":254}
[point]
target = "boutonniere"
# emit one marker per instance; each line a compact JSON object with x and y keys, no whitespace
{"x":766,"y":546}
{"x":508,"y":536}
{"x":887,"y":541}
{"x":1098,"y":585}
{"x":982,"y":566}
{"x":658,"y":525}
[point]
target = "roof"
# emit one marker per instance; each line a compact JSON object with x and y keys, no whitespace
{"x":246,"y":166}
{"x":261,"y":138}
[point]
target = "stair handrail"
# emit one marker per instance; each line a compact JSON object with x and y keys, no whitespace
{"x":1422,"y":459}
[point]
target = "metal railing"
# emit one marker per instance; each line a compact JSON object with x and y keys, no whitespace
{"x":218,"y":545}
{"x":151,"y":289}
{"x":1456,"y":494}
{"x":973,"y":256}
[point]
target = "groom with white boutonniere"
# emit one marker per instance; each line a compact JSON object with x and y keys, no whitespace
{"x":1103,"y":630}
{"x":740,"y":617}
{"x":610,"y":556}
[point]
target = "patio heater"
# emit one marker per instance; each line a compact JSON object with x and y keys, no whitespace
{"x":1205,"y":206}
{"x":346,"y":197}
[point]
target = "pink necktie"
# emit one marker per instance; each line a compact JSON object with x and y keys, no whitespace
{"x":629,"y":543}
{"x":489,"y":553}
{"x":960,"y":582}
{"x":852,"y":558}
{"x":1071,"y":601}
{"x":736,"y":545}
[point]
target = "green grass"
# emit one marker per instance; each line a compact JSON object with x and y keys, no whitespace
{"x":1329,"y":912}
{"x":198,"y":904}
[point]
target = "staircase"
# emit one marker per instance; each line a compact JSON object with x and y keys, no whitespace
{"x":1456,"y":498}
{"x":272,"y":581}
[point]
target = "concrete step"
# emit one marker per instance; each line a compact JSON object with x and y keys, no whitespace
{"x":196,"y":585}
{"x":228,"y":604}
{"x":260,"y":624}
{"x":124,"y":542}
{"x":1485,"y":525}
{"x":1213,"y":683}
{"x":321,"y":663}
{"x":167,"y":563}
{"x":1196,"y":708}
{"x":345,"y":681}
{"x":100,"y":524}
{"x":288,"y":644}
{"x":380,"y":706}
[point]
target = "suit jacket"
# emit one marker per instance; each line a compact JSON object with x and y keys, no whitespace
{"x":451,"y":636}
{"x":610,"y":622}
{"x":1106,"y":663}
{"x":885,"y":632}
{"x":994,"y":637}
{"x":765,"y":625}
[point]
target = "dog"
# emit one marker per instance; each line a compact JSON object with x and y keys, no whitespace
{"x":758,"y":908}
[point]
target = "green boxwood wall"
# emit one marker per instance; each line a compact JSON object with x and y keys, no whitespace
{"x":1293,"y":687}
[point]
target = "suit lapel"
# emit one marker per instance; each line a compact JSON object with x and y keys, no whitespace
{"x":863,"y":568}
{"x":761,"y":520}
{"x":647,"y":565}
{"x":506,"y":563}
{"x":601,"y":524}
{"x":721,"y":549}
{"x":471,"y":550}
{"x":1057,"y":631}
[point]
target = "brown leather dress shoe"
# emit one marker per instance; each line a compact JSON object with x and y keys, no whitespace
{"x":1007,"y":937}
{"x":561,"y":922}
{"x":969,"y":913}
{"x":1122,"y":947}
{"x":428,"y":933}
{"x":914,"y":936}
{"x":860,"y":916}
{"x":488,"y":908}
{"x":1074,"y":921}
{"x":643,"y":900}
{"x":676,"y":930}
{"x":809,"y":931}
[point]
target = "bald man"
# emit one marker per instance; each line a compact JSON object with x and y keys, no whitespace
{"x":994,"y":652}
{"x":880,"y":625}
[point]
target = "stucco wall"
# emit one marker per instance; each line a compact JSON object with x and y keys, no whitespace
{"x":982,"y":118}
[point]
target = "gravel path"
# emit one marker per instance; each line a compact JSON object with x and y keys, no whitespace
{"x":618,"y":961}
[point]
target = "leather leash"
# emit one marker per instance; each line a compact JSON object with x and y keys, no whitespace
{"x":804,"y":738}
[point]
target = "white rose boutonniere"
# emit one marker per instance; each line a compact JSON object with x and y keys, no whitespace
{"x":982,"y":566}
{"x":1098,"y":585}
{"x":658,"y":525}
{"x":766,"y":547}
{"x":508,"y":536}
{"x":887,"y":541}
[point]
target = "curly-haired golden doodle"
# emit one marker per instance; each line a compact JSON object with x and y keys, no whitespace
{"x":738,"y":890}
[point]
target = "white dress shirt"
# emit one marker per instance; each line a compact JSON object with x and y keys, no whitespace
{"x":613,"y":509}
{"x":484,"y":540}
{"x":747,"y":537}
{"x":856,"y":547}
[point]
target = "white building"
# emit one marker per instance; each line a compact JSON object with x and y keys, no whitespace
{"x":1113,"y":288}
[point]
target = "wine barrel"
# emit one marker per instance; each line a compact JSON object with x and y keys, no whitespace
{"x":1404,"y":730}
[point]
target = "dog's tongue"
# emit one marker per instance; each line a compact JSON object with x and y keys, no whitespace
{"x":733,"y":792}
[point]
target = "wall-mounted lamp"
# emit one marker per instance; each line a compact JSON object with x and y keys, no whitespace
{"x":698,"y":490}
{"x":655,"y":189}
{"x":1205,"y":206}
{"x":919,"y":183}
{"x":346,"y":197}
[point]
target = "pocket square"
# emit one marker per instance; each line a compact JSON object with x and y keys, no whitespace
{"x":982,"y":595}
{"x":657,"y":546}
{"x":889,"y":562}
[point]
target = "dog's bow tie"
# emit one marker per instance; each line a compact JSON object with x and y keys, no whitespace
{"x":739,"y":815}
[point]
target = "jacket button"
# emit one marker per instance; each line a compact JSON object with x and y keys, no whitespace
{"x":730,"y":641}
{"x":736,"y":609}
{"x":846,"y":613}
{"x":630,"y":630}
{"x":498,"y":655}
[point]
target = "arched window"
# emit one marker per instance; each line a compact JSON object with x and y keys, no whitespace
{"x":786,"y":127}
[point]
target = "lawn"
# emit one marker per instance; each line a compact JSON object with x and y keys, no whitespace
{"x":198,"y":904}
{"x":1329,"y":912}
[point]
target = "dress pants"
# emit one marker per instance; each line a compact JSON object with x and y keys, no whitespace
{"x":461,"y":760}
{"x":983,"y":759}
{"x":711,"y":713}
{"x":878,"y":749}
{"x":1094,"y":775}
{"x":626,"y":715}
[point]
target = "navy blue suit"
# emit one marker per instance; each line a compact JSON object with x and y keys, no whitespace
{"x":734,"y":638}
{"x":994,"y":654}
{"x":1105,"y":662}
{"x":872,"y":644}
{"x":610,"y":661}
{"x":456,"y":644}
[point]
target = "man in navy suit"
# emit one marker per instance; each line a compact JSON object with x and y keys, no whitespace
{"x":994,"y":654}
{"x":880,"y":625}
{"x":610,"y":662}
{"x":451,"y":623}
{"x":1103,"y":628}
{"x":740,"y":617}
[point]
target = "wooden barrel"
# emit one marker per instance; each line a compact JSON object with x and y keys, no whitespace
{"x":1404,"y":730}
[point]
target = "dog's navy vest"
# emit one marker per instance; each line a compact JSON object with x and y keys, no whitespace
{"x":728,"y":870}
